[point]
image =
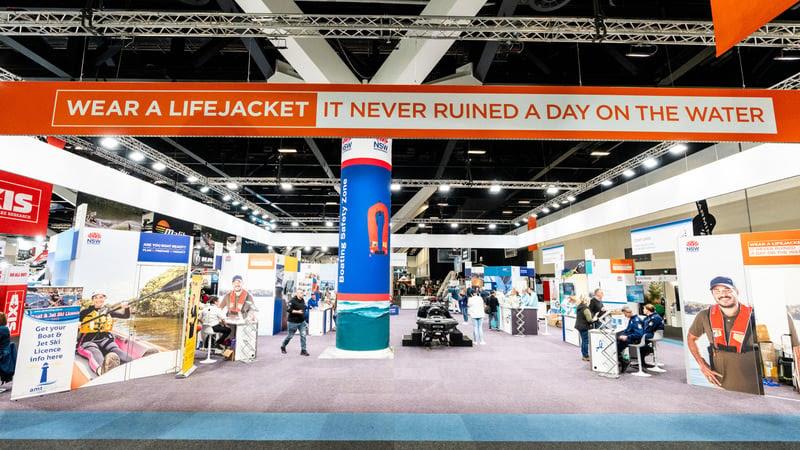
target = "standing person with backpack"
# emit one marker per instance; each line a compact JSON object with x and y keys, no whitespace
{"x":583,"y":323}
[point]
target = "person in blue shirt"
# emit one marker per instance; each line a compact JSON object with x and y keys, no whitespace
{"x":311,"y":303}
{"x":632,"y":334}
{"x":529,"y":299}
{"x":462,"y":304}
{"x":8,"y":352}
{"x":652,"y":322}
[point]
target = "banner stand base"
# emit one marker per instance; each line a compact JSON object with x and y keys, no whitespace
{"x":337,"y":353}
{"x":187,"y":373}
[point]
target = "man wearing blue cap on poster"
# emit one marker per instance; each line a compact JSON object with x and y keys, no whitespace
{"x":728,"y":326}
{"x":238,"y":301}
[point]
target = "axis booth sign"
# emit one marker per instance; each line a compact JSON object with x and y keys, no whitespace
{"x":255,"y":109}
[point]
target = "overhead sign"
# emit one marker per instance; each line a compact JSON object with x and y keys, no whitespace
{"x":553,"y":255}
{"x":433,"y":111}
{"x":24,"y":205}
{"x":735,"y":20}
{"x":660,"y":238}
{"x":164,"y":248}
{"x":622,"y":266}
{"x":399,"y":259}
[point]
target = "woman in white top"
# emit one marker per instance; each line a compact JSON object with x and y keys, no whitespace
{"x":476,"y":310}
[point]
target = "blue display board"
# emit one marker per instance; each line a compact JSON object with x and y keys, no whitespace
{"x":164,"y":248}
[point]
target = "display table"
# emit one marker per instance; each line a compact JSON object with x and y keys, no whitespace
{"x":410,"y":301}
{"x":320,"y":321}
{"x":568,"y":332}
{"x":509,"y":321}
{"x":246,"y":335}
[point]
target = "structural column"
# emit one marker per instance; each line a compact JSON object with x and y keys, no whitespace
{"x":364,"y":266}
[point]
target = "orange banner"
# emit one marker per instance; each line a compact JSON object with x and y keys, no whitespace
{"x":771,"y":248}
{"x":261,"y":261}
{"x":431,"y":111}
{"x":532,"y":226}
{"x":735,"y":20}
{"x":622,"y":266}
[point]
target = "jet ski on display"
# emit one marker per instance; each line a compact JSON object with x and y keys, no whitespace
{"x":434,"y":323}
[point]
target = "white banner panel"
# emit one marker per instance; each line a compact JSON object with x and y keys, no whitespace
{"x":553,"y":255}
{"x":399,"y":259}
{"x":660,"y":238}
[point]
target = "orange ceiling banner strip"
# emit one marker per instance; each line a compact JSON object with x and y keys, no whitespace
{"x":398,"y":111}
{"x":735,"y":20}
{"x":532,"y":226}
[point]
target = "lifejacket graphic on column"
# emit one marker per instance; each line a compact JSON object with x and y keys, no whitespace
{"x":378,"y":243}
{"x":735,"y":341}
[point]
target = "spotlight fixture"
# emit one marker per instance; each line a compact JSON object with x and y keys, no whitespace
{"x":226,"y":198}
{"x":787,"y":54}
{"x":641,"y":51}
{"x":599,"y":153}
{"x":495,"y":189}
{"x":678,"y":149}
{"x":269,"y":248}
{"x":552,"y":190}
{"x":287,"y":150}
{"x":524,"y":202}
{"x":324,"y":249}
{"x":476,"y":152}
{"x":136,"y":156}
{"x":649,"y":163}
{"x":396,"y":187}
{"x":571,"y":198}
{"x":492,"y":226}
{"x":555,"y":205}
{"x":328,"y":223}
{"x":264,"y":216}
{"x":109,"y":143}
{"x":453,"y":225}
{"x":331,"y":204}
{"x":191,"y":179}
{"x":516,"y":224}
{"x":420,"y":225}
{"x":245,"y":208}
{"x":508,"y":212}
{"x":235,"y":203}
{"x":533,"y":216}
{"x":307,"y":248}
{"x":295,"y":224}
{"x":158,"y":166}
{"x":607,"y":183}
{"x":564,"y":202}
{"x":231,"y":185}
{"x":545,"y":210}
{"x":205,"y":189}
{"x":444,"y":188}
{"x":442,"y":205}
{"x":628,"y":173}
{"x":286,"y":186}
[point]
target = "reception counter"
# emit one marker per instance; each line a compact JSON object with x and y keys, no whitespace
{"x":509,"y":320}
{"x":320,"y":321}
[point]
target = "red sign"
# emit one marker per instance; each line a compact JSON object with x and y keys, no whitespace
{"x":532,"y":226}
{"x":622,"y":266}
{"x":13,"y":305}
{"x":24,"y":205}
{"x":399,"y":111}
{"x":735,"y":20}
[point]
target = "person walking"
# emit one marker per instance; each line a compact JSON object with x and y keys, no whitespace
{"x":583,"y":322}
{"x":475,"y":306}
{"x":462,"y":305}
{"x":492,"y":304}
{"x":297,"y":322}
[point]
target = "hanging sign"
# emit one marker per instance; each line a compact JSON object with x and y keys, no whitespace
{"x":735,"y":20}
{"x":434,"y":111}
{"x":659,"y":238}
{"x":24,"y":205}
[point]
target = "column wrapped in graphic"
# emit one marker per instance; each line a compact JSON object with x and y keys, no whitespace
{"x":364,"y":249}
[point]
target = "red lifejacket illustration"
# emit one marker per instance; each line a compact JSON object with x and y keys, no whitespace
{"x":235,"y":303}
{"x":738,"y":330}
{"x":378,"y":244}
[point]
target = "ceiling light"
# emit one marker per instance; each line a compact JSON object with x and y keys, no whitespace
{"x":516,"y":224}
{"x":158,"y":166}
{"x":226,"y":198}
{"x":434,"y":218}
{"x":328,"y":223}
{"x":555,"y":205}
{"x":295,"y":224}
{"x":564,"y":202}
{"x":253,"y":218}
{"x":453,"y":225}
{"x":286,"y":186}
{"x":269,"y":248}
{"x":442,"y":204}
{"x":571,"y":198}
{"x":444,"y":188}
{"x":204,"y":189}
{"x":480,"y":228}
{"x":476,"y":152}
{"x":109,"y":143}
{"x":245,"y":208}
{"x":78,"y":147}
{"x":649,"y":163}
{"x":231,"y":185}
{"x":552,"y":190}
{"x":421,"y":225}
{"x":136,"y":156}
{"x":264,"y":216}
{"x":678,"y":149}
{"x":235,"y":203}
{"x":628,"y":173}
{"x":787,"y":55}
{"x":524,"y":202}
{"x":324,"y":249}
{"x":545,"y":210}
{"x":331,"y":204}
{"x":607,"y":183}
{"x":600,"y":153}
{"x":532,"y":216}
{"x":508,"y":212}
{"x":492,"y":226}
{"x":395,"y":187}
{"x":307,"y":248}
{"x":192,"y":179}
{"x":287,"y":150}
{"x":641,"y":51}
{"x":495,"y":189}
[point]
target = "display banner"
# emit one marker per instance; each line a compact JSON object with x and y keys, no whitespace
{"x":190,"y":320}
{"x":736,"y":20}
{"x":364,"y":269}
{"x":553,"y":255}
{"x":46,"y":352}
{"x":104,"y":213}
{"x":24,"y":205}
{"x":434,"y":111}
{"x":659,"y":238}
{"x":164,"y":248}
{"x":622,"y":266}
{"x":160,"y":223}
{"x":12,"y":303}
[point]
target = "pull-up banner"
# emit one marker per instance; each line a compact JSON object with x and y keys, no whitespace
{"x":508,"y":112}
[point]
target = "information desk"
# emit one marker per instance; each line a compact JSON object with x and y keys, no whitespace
{"x":509,"y":321}
{"x":245,"y":334}
{"x":320,"y":321}
{"x":568,"y":332}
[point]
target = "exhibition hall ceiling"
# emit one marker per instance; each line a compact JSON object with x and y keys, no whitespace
{"x":529,"y":63}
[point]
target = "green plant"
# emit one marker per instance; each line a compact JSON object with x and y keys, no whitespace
{"x":654,"y":294}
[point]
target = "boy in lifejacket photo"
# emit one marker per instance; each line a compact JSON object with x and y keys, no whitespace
{"x":96,"y":342}
{"x":728,"y":326}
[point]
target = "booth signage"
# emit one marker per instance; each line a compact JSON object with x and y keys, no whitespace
{"x":622,"y":266}
{"x":191,"y":318}
{"x":13,"y":298}
{"x":14,"y":275}
{"x":24,"y":205}
{"x":311,"y":110}
{"x":660,"y":238}
{"x":163,"y":248}
{"x":553,"y":255}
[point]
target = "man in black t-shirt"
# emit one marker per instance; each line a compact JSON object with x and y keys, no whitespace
{"x":297,"y":321}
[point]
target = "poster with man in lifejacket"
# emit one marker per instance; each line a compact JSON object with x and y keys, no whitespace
{"x":238,"y":302}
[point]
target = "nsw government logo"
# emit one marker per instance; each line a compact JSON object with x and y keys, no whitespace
{"x":347,"y":145}
{"x":381,"y":145}
{"x":94,"y":238}
{"x":692,"y":246}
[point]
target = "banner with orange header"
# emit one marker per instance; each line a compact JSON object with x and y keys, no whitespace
{"x":735,"y":20}
{"x":395,"y":111}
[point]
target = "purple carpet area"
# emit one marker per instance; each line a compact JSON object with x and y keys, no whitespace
{"x":531,"y":374}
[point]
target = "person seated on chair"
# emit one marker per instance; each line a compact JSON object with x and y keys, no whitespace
{"x":8,"y":352}
{"x":652,"y":322}
{"x":212,"y":316}
{"x":632,"y":334}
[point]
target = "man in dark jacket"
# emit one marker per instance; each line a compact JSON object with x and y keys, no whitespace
{"x":493,"y":304}
{"x":596,"y":303}
{"x":297,"y":321}
{"x":583,"y":322}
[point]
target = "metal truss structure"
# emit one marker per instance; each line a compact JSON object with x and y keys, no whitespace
{"x":474,"y":184}
{"x":791,"y":83}
{"x":8,"y":76}
{"x":430,"y":221}
{"x":129,"y":24}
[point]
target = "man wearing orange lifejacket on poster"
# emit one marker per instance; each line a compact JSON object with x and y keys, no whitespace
{"x":239,"y":302}
{"x":728,"y":326}
{"x":378,"y":234}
